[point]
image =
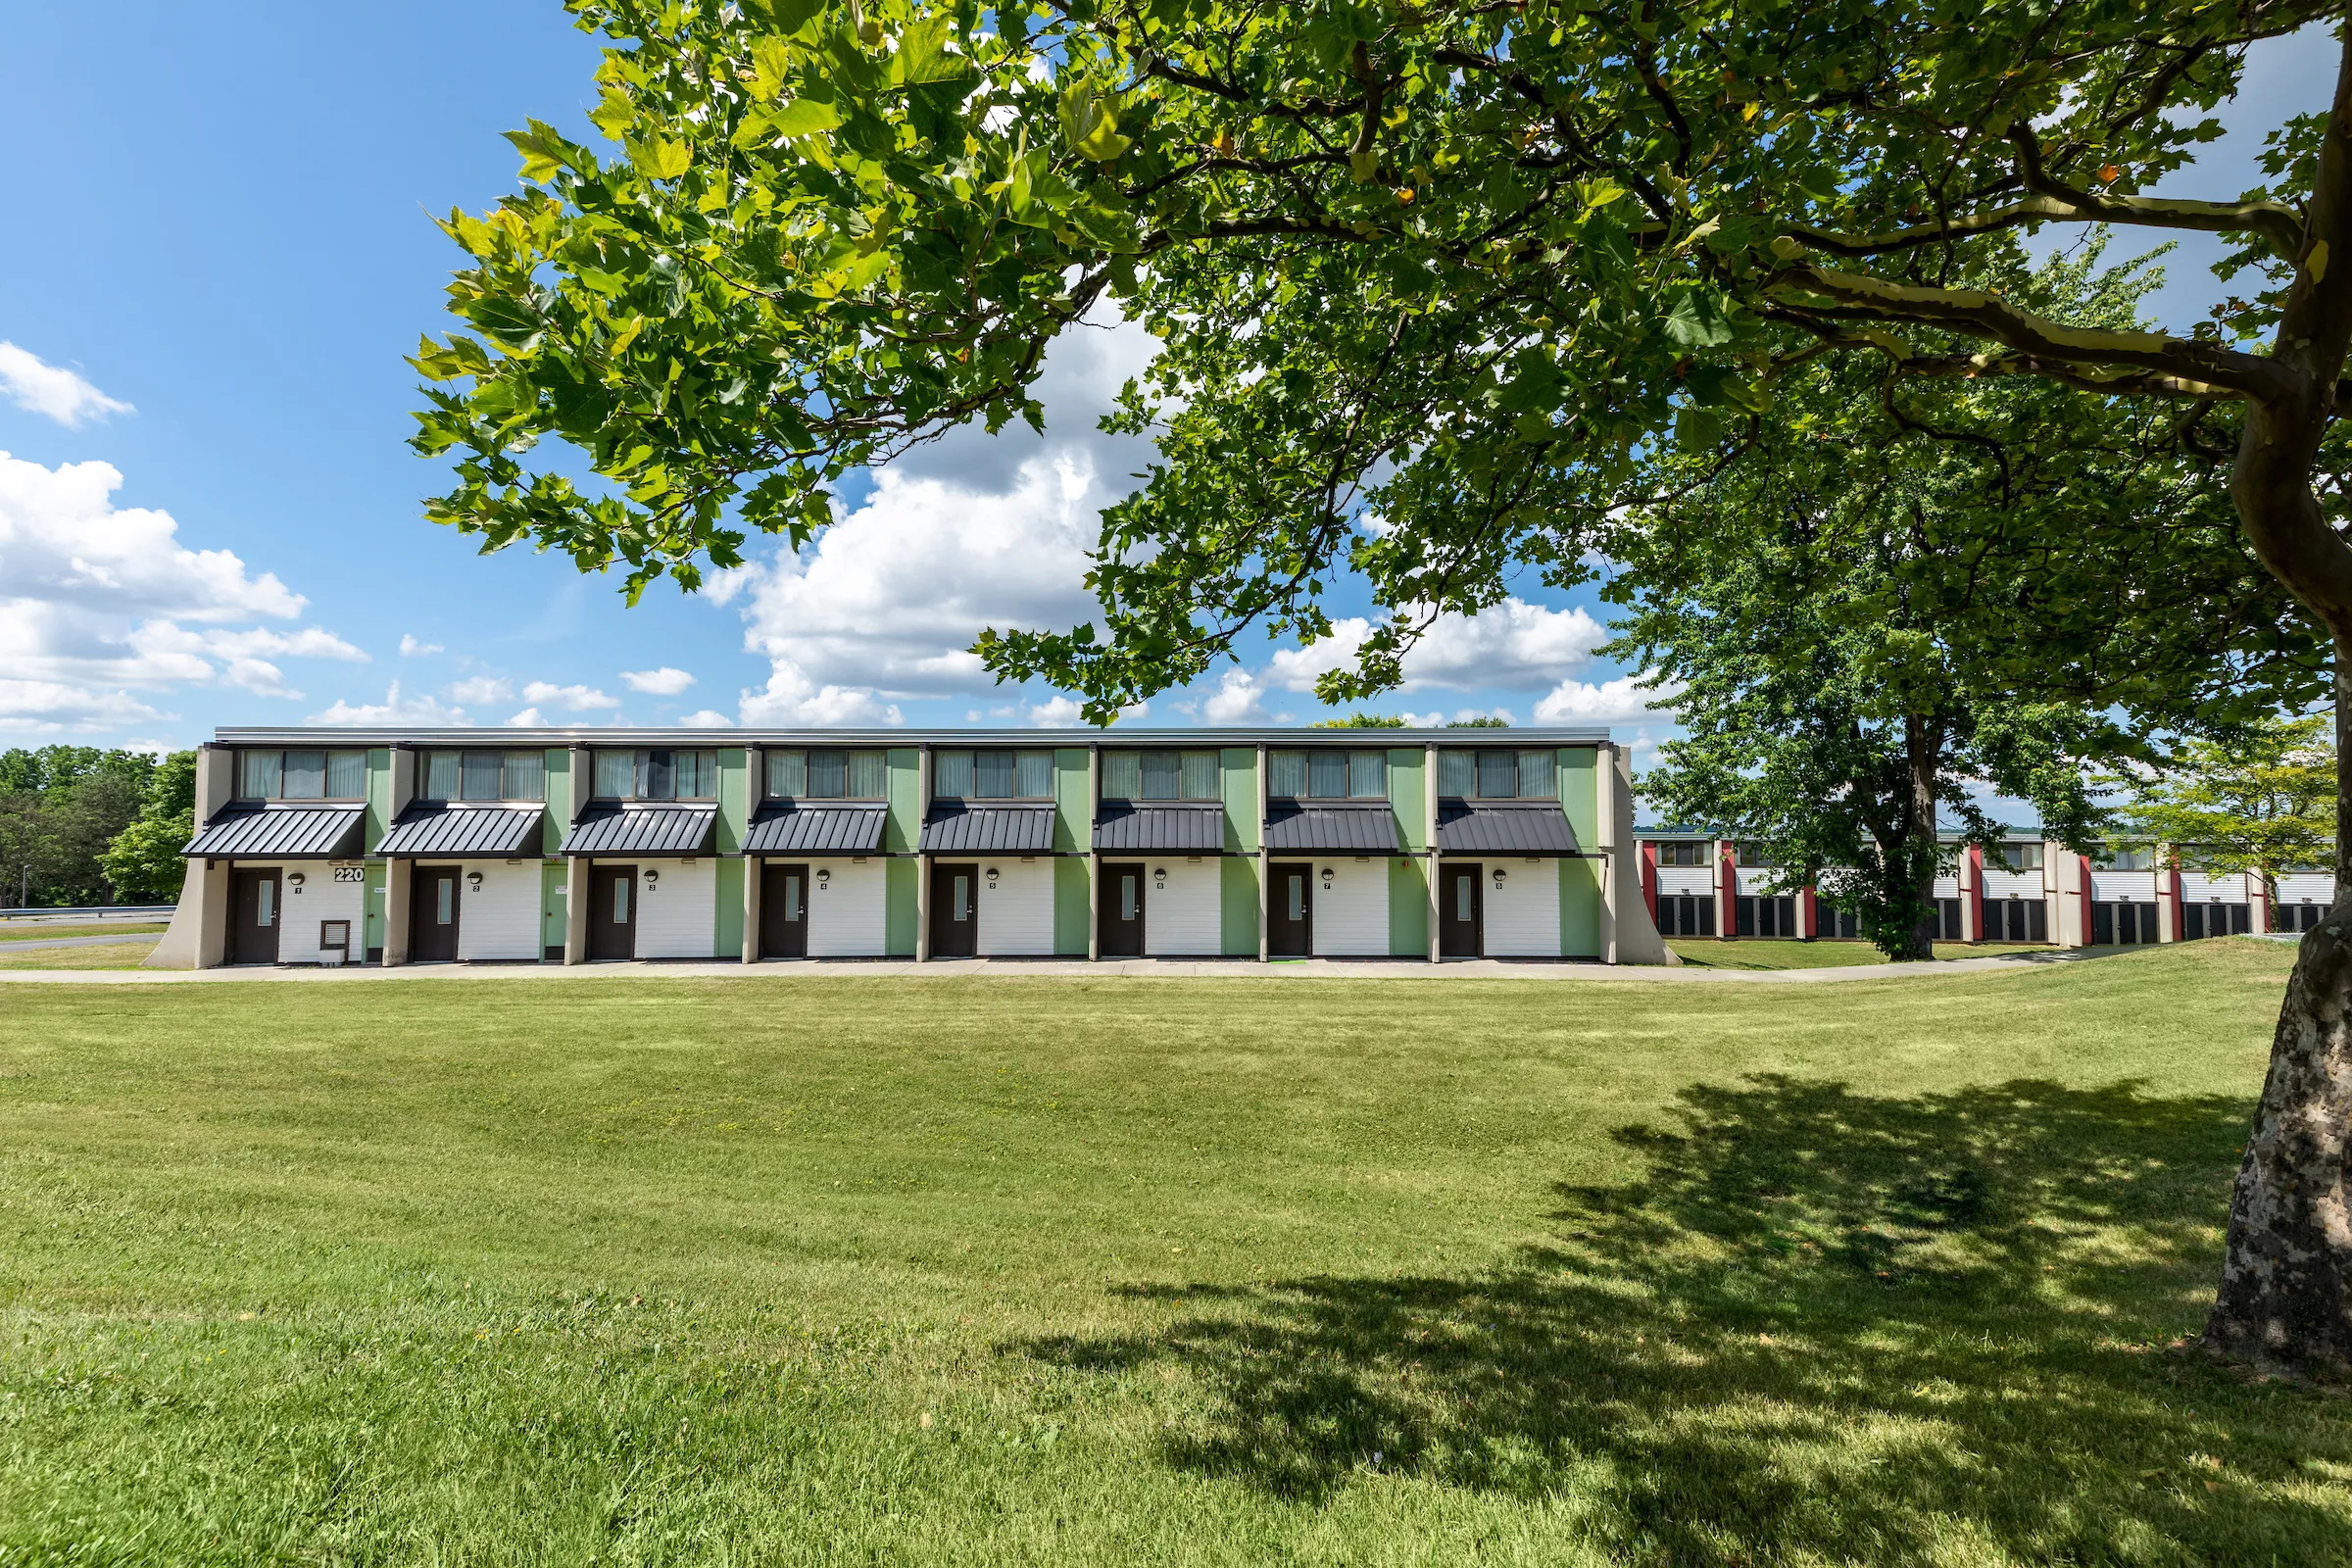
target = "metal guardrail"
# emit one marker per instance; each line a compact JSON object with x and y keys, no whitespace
{"x":86,"y":911}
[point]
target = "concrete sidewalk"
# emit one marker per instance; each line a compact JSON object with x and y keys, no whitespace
{"x":1048,"y":969}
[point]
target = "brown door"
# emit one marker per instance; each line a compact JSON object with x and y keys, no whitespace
{"x":1461,"y":912}
{"x":433,"y":910}
{"x":955,"y":911}
{"x":1122,"y":910}
{"x":256,"y":912}
{"x":1291,"y":911}
{"x":783,"y":912}
{"x":612,"y":911}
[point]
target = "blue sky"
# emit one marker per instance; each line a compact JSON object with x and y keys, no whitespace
{"x":208,"y":513}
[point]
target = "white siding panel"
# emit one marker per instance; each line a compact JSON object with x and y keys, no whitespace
{"x":1016,"y":914}
{"x":1351,"y":915}
{"x":849,"y":911}
{"x":1523,"y":915}
{"x":319,"y":897}
{"x":2001,"y":884}
{"x":1181,"y":919}
{"x":1947,"y":887}
{"x":1756,"y":883}
{"x":501,"y":920}
{"x":2109,"y":887}
{"x":2200,"y":886}
{"x":677,"y":915}
{"x":1682,"y":880}
{"x":2307,"y":887}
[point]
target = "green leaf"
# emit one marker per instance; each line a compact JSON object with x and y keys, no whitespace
{"x":922,"y":56}
{"x":1697,"y":321}
{"x":803,"y":116}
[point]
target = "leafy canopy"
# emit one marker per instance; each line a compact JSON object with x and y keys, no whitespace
{"x":2265,"y":802}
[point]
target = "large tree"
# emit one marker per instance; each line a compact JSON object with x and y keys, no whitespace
{"x":1458,"y":264}
{"x":2265,"y":802}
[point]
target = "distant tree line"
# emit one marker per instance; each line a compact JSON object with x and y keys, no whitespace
{"x":82,"y":824}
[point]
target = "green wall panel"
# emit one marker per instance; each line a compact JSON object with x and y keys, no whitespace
{"x":559,"y":803}
{"x":897,"y":901}
{"x":1237,"y":774}
{"x":1580,"y":906}
{"x":1408,"y":910}
{"x":1580,"y":784}
{"x":1406,"y":793}
{"x":1073,"y":812}
{"x":734,"y":804}
{"x":1070,"y":911}
{"x":554,"y":878}
{"x":1237,"y":898}
{"x":379,"y":798}
{"x":729,"y":940}
{"x":905,"y":823}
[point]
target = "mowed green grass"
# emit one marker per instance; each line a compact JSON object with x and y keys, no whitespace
{"x":1751,"y":952}
{"x":1116,"y":1271}
{"x":97,"y":955}
{"x":36,"y":930}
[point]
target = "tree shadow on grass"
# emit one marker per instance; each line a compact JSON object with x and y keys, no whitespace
{"x":1820,"y":1326}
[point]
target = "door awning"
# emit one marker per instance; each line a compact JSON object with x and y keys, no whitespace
{"x":282,"y":832}
{"x":441,"y":828}
{"x":797,"y":827}
{"x":1294,"y":827}
{"x":654,"y":827}
{"x":1160,"y":827}
{"x":1466,"y":827}
{"x":957,"y":828}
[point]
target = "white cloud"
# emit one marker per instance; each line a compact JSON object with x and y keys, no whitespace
{"x":528,"y":719}
{"x":1616,"y":701}
{"x":52,"y":391}
{"x":1239,"y":698}
{"x":480,"y":689}
{"x":662,"y":682}
{"x":791,"y":698}
{"x":395,"y":709}
{"x":573,"y":699}
{"x":706,"y":719}
{"x":1510,"y":644}
{"x":106,"y":602}
{"x":412,"y":648}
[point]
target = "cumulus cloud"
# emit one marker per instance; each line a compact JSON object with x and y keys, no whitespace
{"x":1510,"y":644}
{"x":1616,"y":701}
{"x":106,"y":602}
{"x":572,"y":698}
{"x":412,"y":648}
{"x":1239,"y":698}
{"x":396,"y":710}
{"x":480,"y":689}
{"x":662,"y":682}
{"x":706,"y":719}
{"x":528,"y":719}
{"x":789,"y":697}
{"x":52,"y":391}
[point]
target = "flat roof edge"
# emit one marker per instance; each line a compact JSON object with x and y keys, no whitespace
{"x":376,"y":735}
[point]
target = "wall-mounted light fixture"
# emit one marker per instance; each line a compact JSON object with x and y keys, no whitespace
{"x":294,"y":880}
{"x":824,"y":879}
{"x":992,"y":876}
{"x":1327,"y":874}
{"x":1499,"y":877}
{"x":474,"y":881}
{"x":1159,"y":879}
{"x":651,"y":877}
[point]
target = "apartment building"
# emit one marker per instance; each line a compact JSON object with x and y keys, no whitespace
{"x":548,"y":846}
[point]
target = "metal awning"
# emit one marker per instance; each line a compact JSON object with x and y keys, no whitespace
{"x":1469,"y":827}
{"x":955,"y":828}
{"x":441,"y":828}
{"x":658,"y":828}
{"x":1294,"y":827}
{"x":1160,"y":827}
{"x":279,"y":831}
{"x":799,"y":827}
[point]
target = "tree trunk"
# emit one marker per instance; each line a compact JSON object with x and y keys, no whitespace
{"x":2285,"y":1297}
{"x":1922,"y":745}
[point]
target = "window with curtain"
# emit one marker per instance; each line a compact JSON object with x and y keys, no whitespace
{"x":1683,"y":853}
{"x":1163,"y":776}
{"x":485,"y":777}
{"x":1122,"y":775}
{"x":827,"y":774}
{"x":1367,"y":776}
{"x":2135,"y":857}
{"x":961,"y":775}
{"x":1320,"y":776}
{"x":302,"y":775}
{"x":480,"y":772}
{"x":615,"y":776}
{"x":2021,"y":857}
{"x":657,"y":775}
{"x":441,"y":777}
{"x":1286,"y":774}
{"x":526,"y":777}
{"x":1200,"y":776}
{"x":951,"y":774}
{"x":1752,"y":854}
{"x":869,"y":776}
{"x":1457,"y":774}
{"x":787,"y":775}
{"x":1032,"y":775}
{"x":1326,"y":776}
{"x":1539,"y":775}
{"x":1498,"y":775}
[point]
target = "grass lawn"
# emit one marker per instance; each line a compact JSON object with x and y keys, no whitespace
{"x":1118,"y":1271}
{"x":29,"y":930}
{"x":97,"y":955}
{"x":1754,"y":952}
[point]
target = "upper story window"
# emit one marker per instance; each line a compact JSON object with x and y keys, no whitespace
{"x":485,"y":777}
{"x":2021,"y":857}
{"x":657,"y":775}
{"x":1500,"y":775}
{"x":1160,"y":777}
{"x":1683,"y":852}
{"x":827,"y":774}
{"x":961,"y":775}
{"x":1750,"y":852}
{"x":2126,"y":857}
{"x":301,"y":775}
{"x":1328,"y":774}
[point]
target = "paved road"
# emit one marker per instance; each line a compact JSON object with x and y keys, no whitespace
{"x":1047,"y":968}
